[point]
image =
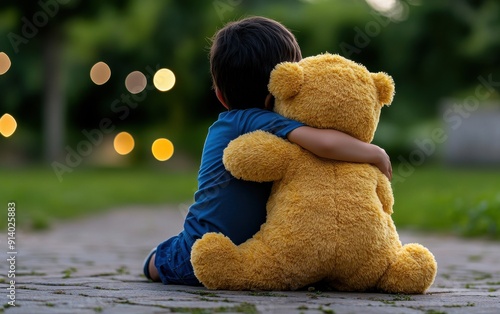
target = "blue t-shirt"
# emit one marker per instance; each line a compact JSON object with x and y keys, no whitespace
{"x":223,"y":203}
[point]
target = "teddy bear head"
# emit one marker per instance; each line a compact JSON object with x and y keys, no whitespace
{"x":331,"y":92}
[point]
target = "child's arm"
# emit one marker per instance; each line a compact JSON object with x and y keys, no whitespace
{"x":336,"y":145}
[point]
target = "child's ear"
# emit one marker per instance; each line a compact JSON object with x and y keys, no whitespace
{"x":286,"y":80}
{"x":269,"y":102}
{"x":220,"y":97}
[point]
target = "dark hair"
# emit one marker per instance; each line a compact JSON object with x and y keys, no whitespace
{"x":242,"y":56}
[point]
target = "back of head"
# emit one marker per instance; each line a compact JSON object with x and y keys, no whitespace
{"x":242,"y":56}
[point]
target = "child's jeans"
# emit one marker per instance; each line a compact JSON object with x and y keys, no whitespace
{"x":173,"y":261}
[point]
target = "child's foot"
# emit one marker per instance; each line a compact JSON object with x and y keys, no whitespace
{"x":153,"y":272}
{"x":149,"y":267}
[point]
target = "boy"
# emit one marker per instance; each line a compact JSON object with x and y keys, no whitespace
{"x":242,"y":55}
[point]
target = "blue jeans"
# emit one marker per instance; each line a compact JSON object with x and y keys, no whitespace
{"x":173,"y":261}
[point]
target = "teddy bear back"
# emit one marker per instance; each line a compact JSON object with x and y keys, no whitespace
{"x":331,"y":92}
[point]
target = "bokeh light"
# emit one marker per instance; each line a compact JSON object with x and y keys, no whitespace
{"x":382,"y":5}
{"x":8,"y":125}
{"x":123,"y":143}
{"x":4,"y":63}
{"x":100,"y":73}
{"x":135,"y":82}
{"x":162,"y":149}
{"x":164,"y":80}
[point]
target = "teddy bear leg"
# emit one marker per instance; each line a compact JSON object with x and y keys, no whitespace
{"x":253,"y":265}
{"x":217,"y":262}
{"x":412,"y":272}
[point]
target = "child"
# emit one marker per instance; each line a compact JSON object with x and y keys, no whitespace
{"x":242,"y":56}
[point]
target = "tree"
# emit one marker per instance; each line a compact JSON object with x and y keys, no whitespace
{"x":40,"y":33}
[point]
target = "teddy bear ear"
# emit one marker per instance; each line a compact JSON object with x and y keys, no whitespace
{"x":385,"y":87}
{"x":286,"y":80}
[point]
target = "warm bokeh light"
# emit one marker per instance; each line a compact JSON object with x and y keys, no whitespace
{"x":8,"y":125}
{"x":123,"y":143}
{"x":135,"y":82}
{"x":164,"y":80}
{"x":4,"y":63}
{"x":382,"y":5}
{"x":100,"y":73}
{"x":162,"y":149}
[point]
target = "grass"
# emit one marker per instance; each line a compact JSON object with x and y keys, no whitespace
{"x":40,"y":198}
{"x":461,"y":201}
{"x":68,"y":272}
{"x":432,"y":198}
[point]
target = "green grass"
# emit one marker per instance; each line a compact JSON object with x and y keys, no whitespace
{"x":432,"y":198}
{"x":40,"y":197}
{"x":462,"y":201}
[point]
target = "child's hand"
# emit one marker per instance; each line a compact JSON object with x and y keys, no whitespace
{"x":383,"y":162}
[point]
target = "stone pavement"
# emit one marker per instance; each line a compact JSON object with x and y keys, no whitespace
{"x":94,"y":266}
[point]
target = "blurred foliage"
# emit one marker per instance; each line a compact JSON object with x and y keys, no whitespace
{"x":434,"y":49}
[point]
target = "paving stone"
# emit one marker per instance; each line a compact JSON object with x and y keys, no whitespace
{"x":94,"y":266}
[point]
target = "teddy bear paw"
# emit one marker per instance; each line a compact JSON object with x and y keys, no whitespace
{"x":412,"y":272}
{"x":215,"y":259}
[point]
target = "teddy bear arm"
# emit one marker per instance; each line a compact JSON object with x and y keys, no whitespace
{"x":258,"y":156}
{"x":384,"y":193}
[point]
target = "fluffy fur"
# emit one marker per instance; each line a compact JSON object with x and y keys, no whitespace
{"x":326,"y":220}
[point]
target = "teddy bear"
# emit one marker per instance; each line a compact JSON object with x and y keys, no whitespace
{"x":327,"y":221}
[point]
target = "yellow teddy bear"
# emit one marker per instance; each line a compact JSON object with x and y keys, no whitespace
{"x":326,"y":220}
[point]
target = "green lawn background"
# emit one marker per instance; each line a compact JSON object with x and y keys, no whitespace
{"x":450,"y":200}
{"x":40,"y":198}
